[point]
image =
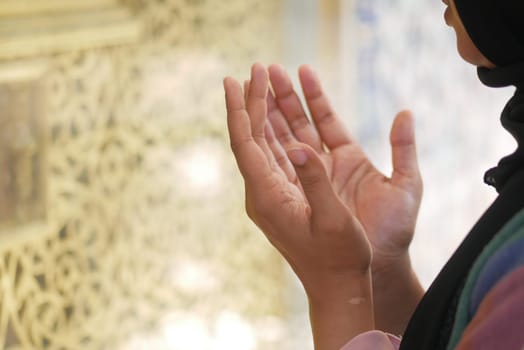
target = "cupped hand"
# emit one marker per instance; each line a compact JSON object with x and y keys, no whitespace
{"x":386,"y":207}
{"x":290,"y":195}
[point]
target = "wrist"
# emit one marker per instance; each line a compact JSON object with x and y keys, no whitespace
{"x":396,"y":272}
{"x":342,"y":311}
{"x":391,"y":266}
{"x":326,"y":288}
{"x":396,"y":293}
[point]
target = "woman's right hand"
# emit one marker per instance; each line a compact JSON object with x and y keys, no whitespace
{"x":386,"y":207}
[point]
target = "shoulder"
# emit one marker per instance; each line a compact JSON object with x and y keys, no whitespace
{"x":499,"y":318}
{"x":491,"y":309}
{"x":503,"y":263}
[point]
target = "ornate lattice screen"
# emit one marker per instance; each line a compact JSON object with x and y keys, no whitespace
{"x":120,"y":207}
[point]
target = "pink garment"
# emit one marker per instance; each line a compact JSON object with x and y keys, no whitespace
{"x":373,"y":340}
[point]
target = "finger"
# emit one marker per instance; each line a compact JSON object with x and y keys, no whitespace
{"x":246,"y":90}
{"x":280,"y":155}
{"x":331,"y":129}
{"x":404,"y":154}
{"x":256,"y":102}
{"x":271,"y":103}
{"x":291,"y":107}
{"x":251,"y":160}
{"x":316,"y":185}
{"x":279,"y":137}
{"x":256,"y":105}
{"x":280,"y":127}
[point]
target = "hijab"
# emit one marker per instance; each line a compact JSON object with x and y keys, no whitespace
{"x":497,"y":31}
{"x":496,"y":27}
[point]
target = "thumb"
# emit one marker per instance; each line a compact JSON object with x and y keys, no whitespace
{"x":404,"y":154}
{"x":315,"y":182}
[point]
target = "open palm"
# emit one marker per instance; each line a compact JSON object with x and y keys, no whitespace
{"x":386,"y":207}
{"x":302,"y":215}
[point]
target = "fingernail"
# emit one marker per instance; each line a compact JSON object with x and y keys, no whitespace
{"x":297,"y":156}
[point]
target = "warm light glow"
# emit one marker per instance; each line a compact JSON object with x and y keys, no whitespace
{"x":191,"y":276}
{"x":233,"y":333}
{"x":200,"y":168}
{"x":185,"y":332}
{"x":191,"y":332}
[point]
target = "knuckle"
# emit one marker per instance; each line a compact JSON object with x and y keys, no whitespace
{"x":281,"y":159}
{"x":326,"y":118}
{"x":236,"y":145}
{"x":419,"y":183}
{"x":285,"y":138}
{"x":299,"y":122}
{"x":310,"y":181}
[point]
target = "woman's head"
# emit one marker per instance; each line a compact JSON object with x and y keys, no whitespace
{"x":465,"y":46}
{"x":489,"y":32}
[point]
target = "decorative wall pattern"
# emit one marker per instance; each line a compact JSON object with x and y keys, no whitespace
{"x":138,"y":234}
{"x":22,"y":153}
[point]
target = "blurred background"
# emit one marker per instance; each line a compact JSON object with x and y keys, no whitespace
{"x":122,"y":223}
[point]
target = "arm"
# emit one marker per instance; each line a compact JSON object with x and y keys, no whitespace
{"x":387,"y":207}
{"x":339,"y":314}
{"x":290,"y":198}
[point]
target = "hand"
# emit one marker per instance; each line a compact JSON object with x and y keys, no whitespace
{"x":299,"y":212}
{"x":296,"y":207}
{"x":386,"y":207}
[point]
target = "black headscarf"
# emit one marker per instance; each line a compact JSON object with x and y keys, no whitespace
{"x":496,"y":27}
{"x":512,"y":119}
